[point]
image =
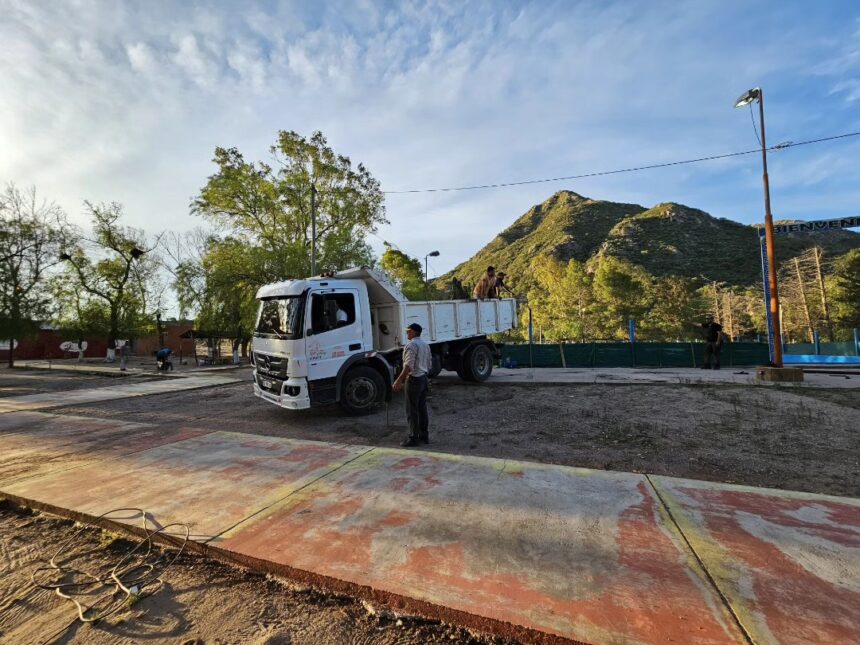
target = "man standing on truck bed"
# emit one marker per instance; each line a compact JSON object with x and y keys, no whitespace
{"x":486,"y":287}
{"x":417,"y":363}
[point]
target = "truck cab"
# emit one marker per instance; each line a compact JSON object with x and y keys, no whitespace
{"x":339,"y":339}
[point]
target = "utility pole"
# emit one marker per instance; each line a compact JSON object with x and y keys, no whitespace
{"x":313,"y":230}
{"x":775,"y":310}
{"x":750,"y":96}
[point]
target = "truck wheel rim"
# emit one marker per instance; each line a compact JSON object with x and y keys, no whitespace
{"x":361,"y":392}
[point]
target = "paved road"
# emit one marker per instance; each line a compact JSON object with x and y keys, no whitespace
{"x":514,"y":546}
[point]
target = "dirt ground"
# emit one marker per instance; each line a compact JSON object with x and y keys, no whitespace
{"x":793,"y":439}
{"x":201,"y":602}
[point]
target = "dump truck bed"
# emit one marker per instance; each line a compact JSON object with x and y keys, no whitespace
{"x":442,"y":320}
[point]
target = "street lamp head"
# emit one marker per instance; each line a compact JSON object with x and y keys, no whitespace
{"x":748,"y":97}
{"x":136,"y":253}
{"x":433,"y":254}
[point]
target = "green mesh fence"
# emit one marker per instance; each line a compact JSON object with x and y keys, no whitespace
{"x":827,"y":349}
{"x":579,"y":354}
{"x":643,"y":354}
{"x":663,"y":354}
{"x":613,"y":355}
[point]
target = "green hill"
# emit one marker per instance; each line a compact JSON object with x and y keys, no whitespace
{"x":668,"y":239}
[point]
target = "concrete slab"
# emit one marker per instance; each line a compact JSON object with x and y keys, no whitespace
{"x":586,"y":555}
{"x":788,"y":563}
{"x":72,"y":365}
{"x":42,"y":443}
{"x":646,"y":376}
{"x":210,"y":482}
{"x":90,"y":395}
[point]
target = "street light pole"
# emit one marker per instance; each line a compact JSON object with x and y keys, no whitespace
{"x":432,"y":254}
{"x":756,"y":94}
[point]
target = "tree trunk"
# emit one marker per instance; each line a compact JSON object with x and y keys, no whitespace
{"x":824,"y":308}
{"x":802,"y":292}
{"x":114,"y":332}
{"x":11,"y":352}
{"x":730,"y":315}
{"x":717,"y":305}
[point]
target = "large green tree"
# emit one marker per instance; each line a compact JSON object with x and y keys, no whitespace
{"x":113,"y":278}
{"x":624,"y":291}
{"x":846,"y":289}
{"x":263,"y":217}
{"x":563,"y":304}
{"x":674,"y":304}
{"x":32,"y":231}
{"x":269,"y":207}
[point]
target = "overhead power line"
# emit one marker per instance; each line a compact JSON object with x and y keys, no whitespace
{"x":779,"y":146}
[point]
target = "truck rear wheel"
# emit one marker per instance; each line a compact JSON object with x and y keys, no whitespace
{"x":362,"y":390}
{"x":436,"y":366}
{"x":479,"y":363}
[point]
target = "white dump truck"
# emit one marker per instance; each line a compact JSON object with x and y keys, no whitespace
{"x":339,"y":339}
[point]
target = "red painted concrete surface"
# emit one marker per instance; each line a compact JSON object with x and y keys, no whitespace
{"x":789,"y":563}
{"x":595,"y":556}
{"x":581,"y":554}
{"x":210,"y":482}
{"x":33,"y":443}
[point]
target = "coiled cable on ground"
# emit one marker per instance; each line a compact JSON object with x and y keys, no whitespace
{"x":135,"y":576}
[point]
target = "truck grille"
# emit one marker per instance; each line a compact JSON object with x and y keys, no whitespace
{"x":271,"y":365}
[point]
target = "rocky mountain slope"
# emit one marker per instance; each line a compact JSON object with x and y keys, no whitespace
{"x":668,"y":239}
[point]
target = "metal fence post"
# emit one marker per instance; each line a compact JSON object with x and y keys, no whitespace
{"x":531,"y":339}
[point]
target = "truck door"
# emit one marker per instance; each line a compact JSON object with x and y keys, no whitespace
{"x":334,"y":332}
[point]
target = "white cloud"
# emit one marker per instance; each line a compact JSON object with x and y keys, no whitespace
{"x":141,"y":57}
{"x":198,"y":64}
{"x":126,"y":101}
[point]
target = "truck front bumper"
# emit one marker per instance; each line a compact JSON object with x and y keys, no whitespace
{"x":291,"y":394}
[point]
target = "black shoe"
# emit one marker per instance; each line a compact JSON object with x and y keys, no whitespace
{"x":410,"y":443}
{"x":716,"y":367}
{"x":706,"y":367}
{"x":424,"y":439}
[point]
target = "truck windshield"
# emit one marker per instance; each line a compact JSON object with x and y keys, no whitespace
{"x":281,"y":317}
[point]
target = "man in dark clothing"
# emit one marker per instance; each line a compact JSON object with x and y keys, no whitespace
{"x":501,"y":286}
{"x":162,"y":359}
{"x":417,"y":363}
{"x":712,"y":332}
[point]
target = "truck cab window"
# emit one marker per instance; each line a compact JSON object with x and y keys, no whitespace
{"x":331,"y":311}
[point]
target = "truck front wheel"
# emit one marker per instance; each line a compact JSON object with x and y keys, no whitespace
{"x":362,"y":390}
{"x":479,"y":363}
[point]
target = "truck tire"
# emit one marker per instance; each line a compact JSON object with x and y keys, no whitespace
{"x":463,"y":370}
{"x":436,"y":366}
{"x":362,"y":390}
{"x":479,"y":363}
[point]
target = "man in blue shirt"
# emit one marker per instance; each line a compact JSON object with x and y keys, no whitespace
{"x":162,"y":359}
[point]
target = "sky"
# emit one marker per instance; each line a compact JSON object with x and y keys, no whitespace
{"x":126,"y":101}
